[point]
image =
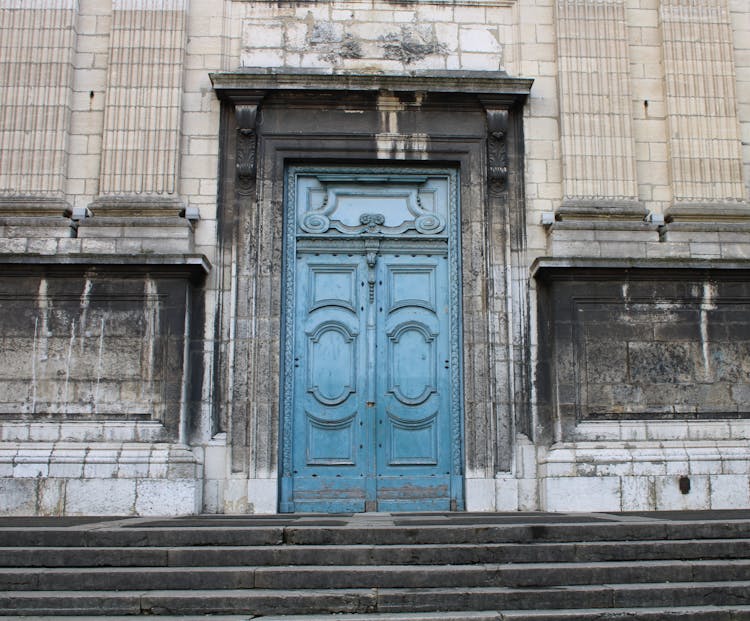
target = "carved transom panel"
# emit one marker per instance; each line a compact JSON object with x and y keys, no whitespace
{"x":344,"y":205}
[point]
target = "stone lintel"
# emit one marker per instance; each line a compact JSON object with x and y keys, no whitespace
{"x":601,"y":209}
{"x":250,"y":84}
{"x":549,"y":268}
{"x":709,"y":213}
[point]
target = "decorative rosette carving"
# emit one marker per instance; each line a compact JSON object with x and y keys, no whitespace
{"x":315,"y":223}
{"x":372,"y":220}
{"x":429,"y":223}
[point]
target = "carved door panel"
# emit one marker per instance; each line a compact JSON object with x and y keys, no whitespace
{"x":413,"y":433}
{"x":372,"y":384}
{"x":331,"y":449}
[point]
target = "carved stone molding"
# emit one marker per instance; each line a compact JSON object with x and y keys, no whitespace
{"x":497,"y":151}
{"x":247,"y":143}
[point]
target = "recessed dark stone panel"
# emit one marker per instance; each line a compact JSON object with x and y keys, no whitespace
{"x":643,"y":344}
{"x":83,"y":343}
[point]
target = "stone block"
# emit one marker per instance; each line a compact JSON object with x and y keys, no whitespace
{"x":730,"y":491}
{"x":480,"y":494}
{"x":31,"y":464}
{"x":215,"y":464}
{"x":262,"y":495}
{"x":168,"y":497}
{"x":528,"y":495}
{"x":66,"y":463}
{"x":18,"y":496}
{"x":506,"y":493}
{"x":51,"y":499}
{"x":638,"y":493}
{"x":669,"y":497}
{"x":100,"y":463}
{"x":100,"y":497}
{"x":236,"y":497}
{"x":581,"y":494}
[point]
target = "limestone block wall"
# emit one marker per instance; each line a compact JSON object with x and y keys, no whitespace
{"x":636,"y":148}
{"x":98,"y":263}
{"x":361,"y":36}
{"x":649,"y":400}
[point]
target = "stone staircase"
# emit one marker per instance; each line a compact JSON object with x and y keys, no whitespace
{"x":368,"y":567}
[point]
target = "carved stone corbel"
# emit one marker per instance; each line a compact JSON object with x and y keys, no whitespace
{"x":247,"y":143}
{"x":497,"y":150}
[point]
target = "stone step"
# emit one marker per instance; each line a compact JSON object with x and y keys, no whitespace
{"x":109,"y":535}
{"x":267,"y":602}
{"x":423,"y":554}
{"x":519,"y":533}
{"x":689,"y":613}
{"x":356,"y":577}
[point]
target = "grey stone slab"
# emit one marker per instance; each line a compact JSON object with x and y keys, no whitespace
{"x":493,"y":598}
{"x":697,"y":613}
{"x":69,"y":603}
{"x":131,"y":617}
{"x":411,"y":616}
{"x":140,"y":537}
{"x":126,"y":579}
{"x":258,"y":602}
{"x":82,"y":557}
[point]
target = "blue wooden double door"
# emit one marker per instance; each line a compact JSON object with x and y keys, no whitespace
{"x":372,"y":420}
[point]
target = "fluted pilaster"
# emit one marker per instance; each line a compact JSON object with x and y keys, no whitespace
{"x":142,"y":117}
{"x":597,"y":137}
{"x":37,"y":44}
{"x":704,"y":137}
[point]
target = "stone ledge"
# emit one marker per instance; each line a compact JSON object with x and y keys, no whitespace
{"x":647,"y":476}
{"x":601,"y":209}
{"x":252,"y":83}
{"x":32,"y":206}
{"x":100,"y":496}
{"x":194,"y":265}
{"x":709,"y":213}
{"x":30,"y":430}
{"x":46,"y":227}
{"x":96,"y":460}
{"x":663,"y":430}
{"x":551,"y":268}
{"x":135,"y":206}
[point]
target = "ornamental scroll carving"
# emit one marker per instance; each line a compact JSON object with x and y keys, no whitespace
{"x":497,"y":151}
{"x":337,"y":204}
{"x":247,"y":142}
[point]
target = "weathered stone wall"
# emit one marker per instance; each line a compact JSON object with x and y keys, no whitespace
{"x":88,"y":347}
{"x":111,"y":128}
{"x":645,"y":345}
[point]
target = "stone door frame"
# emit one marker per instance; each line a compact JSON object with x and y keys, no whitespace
{"x":470,"y":122}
